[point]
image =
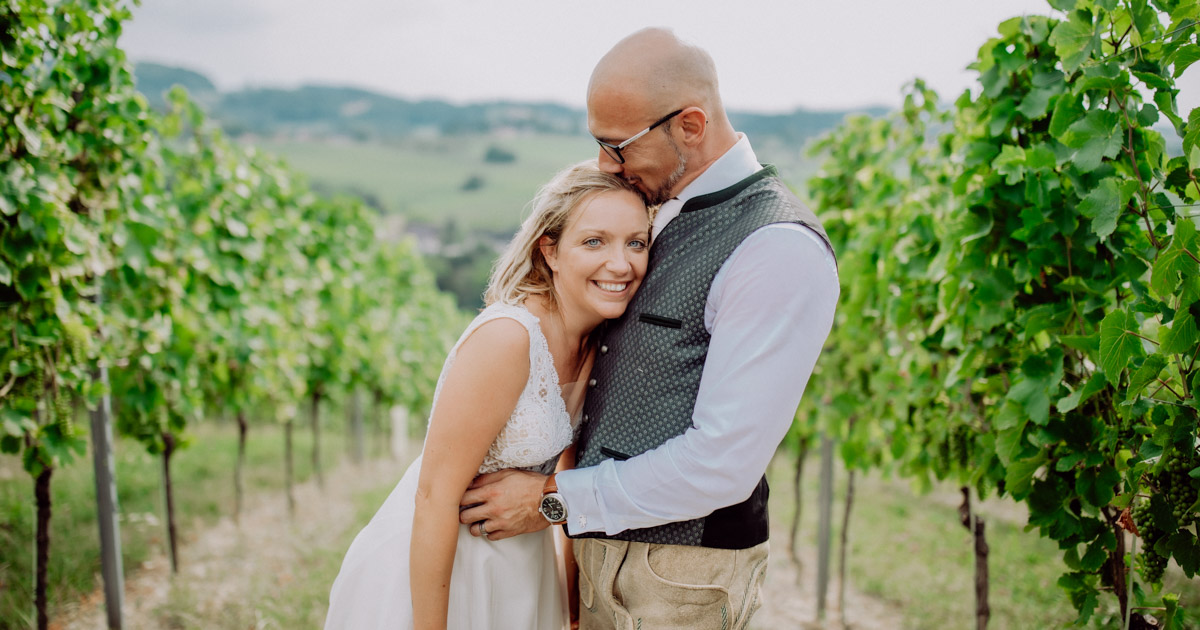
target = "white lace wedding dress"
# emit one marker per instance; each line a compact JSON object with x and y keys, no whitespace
{"x":510,"y":583}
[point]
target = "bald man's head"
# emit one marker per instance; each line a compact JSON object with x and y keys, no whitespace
{"x":660,"y":72}
{"x":654,"y":107}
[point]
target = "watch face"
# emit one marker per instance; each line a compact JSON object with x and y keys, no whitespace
{"x":553,"y":509}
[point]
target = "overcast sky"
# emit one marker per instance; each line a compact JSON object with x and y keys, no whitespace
{"x":771,"y":55}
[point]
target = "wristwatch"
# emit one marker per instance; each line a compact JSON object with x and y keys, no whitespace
{"x":553,"y":506}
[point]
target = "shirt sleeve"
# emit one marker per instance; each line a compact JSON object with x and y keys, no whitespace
{"x":769,"y":311}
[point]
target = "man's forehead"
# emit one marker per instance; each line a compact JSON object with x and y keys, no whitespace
{"x":616,"y":114}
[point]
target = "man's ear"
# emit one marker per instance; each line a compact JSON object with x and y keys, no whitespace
{"x":692,"y":123}
{"x":549,"y":252}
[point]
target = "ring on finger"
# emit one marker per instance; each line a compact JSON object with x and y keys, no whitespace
{"x":483,"y":530}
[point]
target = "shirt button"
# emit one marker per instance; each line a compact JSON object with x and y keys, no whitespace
{"x":592,"y":383}
{"x":603,"y":349}
{"x":585,"y":417}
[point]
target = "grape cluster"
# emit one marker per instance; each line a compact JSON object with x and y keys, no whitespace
{"x":1151,"y":563}
{"x":959,"y":450}
{"x":1175,"y":486}
{"x":64,"y":413}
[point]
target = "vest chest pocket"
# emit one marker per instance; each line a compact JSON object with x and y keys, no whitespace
{"x":659,"y":320}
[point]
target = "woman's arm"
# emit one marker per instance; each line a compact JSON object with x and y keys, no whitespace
{"x":477,"y":398}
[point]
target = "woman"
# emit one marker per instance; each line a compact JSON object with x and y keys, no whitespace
{"x":506,"y":398}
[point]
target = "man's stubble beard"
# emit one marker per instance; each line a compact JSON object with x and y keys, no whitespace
{"x":663,"y":192}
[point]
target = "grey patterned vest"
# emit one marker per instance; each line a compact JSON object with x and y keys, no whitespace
{"x":647,"y":374}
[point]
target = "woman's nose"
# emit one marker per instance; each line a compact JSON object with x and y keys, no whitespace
{"x":618,"y":262}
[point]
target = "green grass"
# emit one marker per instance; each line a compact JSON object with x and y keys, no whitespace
{"x":203,"y":481}
{"x":912,"y":551}
{"x":423,"y":179}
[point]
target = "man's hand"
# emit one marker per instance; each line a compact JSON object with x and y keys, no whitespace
{"x":506,"y":501}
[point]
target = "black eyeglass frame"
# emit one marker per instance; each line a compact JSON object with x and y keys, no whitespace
{"x":614,"y":150}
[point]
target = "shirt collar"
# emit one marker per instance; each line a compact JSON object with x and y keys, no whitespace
{"x":738,"y":163}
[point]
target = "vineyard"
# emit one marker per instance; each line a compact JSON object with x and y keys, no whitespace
{"x":1019,"y":306}
{"x":1021,"y":290}
{"x":152,"y":270}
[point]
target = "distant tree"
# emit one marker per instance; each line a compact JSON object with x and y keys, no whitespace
{"x":496,"y":155}
{"x":474,"y":182}
{"x":464,"y":275}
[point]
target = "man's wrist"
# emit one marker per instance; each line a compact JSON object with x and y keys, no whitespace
{"x":552,"y":505}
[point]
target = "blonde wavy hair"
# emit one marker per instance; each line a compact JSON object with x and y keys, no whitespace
{"x":522,"y":270}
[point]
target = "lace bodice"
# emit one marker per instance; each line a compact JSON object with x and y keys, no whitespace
{"x":540,"y":427}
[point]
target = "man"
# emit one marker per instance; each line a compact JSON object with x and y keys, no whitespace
{"x":696,"y":385}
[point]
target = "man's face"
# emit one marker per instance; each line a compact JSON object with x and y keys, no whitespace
{"x":654,"y":163}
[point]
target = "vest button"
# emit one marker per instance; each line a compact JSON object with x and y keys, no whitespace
{"x":603,"y":349}
{"x":585,"y":417}
{"x":592,"y":383}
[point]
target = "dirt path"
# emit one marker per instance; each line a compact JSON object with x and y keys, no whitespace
{"x":791,"y":595}
{"x":225,"y":564}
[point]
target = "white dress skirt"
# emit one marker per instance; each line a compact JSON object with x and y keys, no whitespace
{"x":514,"y":583}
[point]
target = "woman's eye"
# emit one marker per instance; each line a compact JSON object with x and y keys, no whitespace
{"x":592,"y":242}
{"x":637,"y":244}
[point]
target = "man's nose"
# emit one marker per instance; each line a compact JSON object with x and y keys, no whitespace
{"x":609,"y":165}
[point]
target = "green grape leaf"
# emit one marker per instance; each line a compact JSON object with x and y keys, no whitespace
{"x":1067,"y":111}
{"x":1184,"y":56}
{"x":1010,"y":163}
{"x":1031,"y":395}
{"x":1034,"y":105}
{"x":1018,"y":477}
{"x":1086,"y":602}
{"x":1160,"y":511}
{"x":1146,"y":374}
{"x":1119,"y":341}
{"x":1186,"y":552}
{"x":1180,"y":336}
{"x":1096,"y":485}
{"x":1105,"y":203}
{"x":1176,"y":260}
{"x":1094,"y":558}
{"x":1192,"y":138}
{"x":1039,"y":318}
{"x":1069,"y":461}
{"x":1009,"y":443}
{"x":1074,"y":40}
{"x":1084,"y":343}
{"x":1165,"y":99}
{"x":6,"y":277}
{"x":1095,"y":137}
{"x":1153,"y":80}
{"x":1095,"y":385}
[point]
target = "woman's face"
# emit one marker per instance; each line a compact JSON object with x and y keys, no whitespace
{"x":601,"y":257}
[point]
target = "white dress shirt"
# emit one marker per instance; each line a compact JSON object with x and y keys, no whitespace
{"x":769,"y":310}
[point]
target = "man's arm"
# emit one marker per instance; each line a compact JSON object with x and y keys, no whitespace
{"x":771,"y":309}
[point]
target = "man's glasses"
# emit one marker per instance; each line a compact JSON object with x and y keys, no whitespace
{"x":614,"y":150}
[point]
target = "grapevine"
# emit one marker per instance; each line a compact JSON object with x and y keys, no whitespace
{"x":1024,"y":290}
